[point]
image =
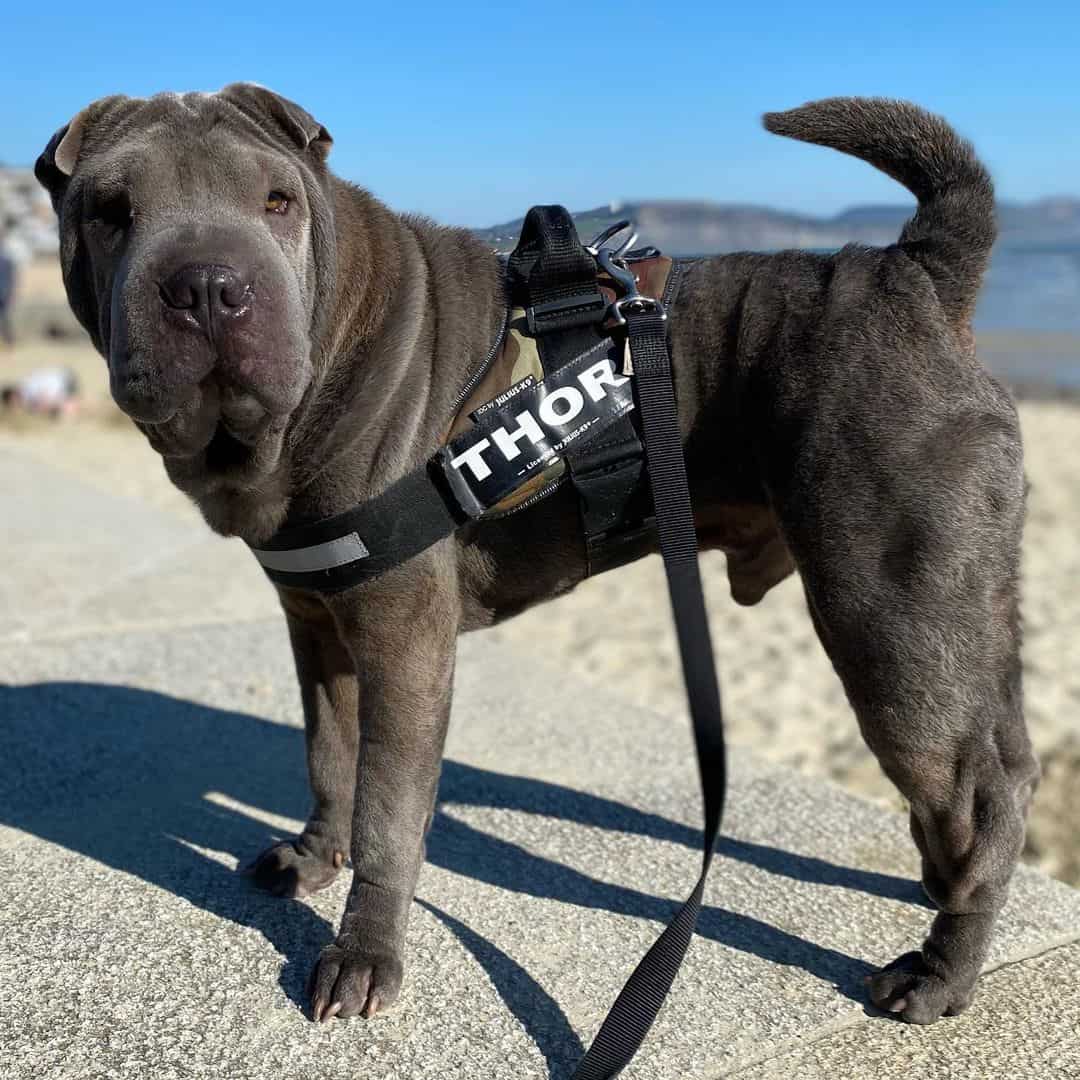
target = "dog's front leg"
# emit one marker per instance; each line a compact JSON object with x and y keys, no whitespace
{"x":400,"y":632}
{"x":329,"y":691}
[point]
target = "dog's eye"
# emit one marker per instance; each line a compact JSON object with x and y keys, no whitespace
{"x":114,"y":211}
{"x":276,"y":203}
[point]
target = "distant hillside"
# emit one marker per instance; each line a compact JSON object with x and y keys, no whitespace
{"x":696,"y":228}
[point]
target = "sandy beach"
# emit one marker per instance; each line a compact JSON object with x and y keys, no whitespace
{"x":781,"y":695}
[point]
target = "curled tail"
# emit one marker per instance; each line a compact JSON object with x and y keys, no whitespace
{"x":953,"y":229}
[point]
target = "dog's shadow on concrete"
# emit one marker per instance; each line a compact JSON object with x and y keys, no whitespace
{"x":128,"y":777}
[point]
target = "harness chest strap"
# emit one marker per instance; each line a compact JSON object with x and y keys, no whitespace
{"x":509,"y":444}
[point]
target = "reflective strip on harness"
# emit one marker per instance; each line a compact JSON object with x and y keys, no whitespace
{"x":325,"y":556}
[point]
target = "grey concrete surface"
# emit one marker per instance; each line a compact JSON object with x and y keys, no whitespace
{"x":142,"y":763}
{"x":1031,"y":1031}
{"x":142,"y":767}
{"x":75,"y":560}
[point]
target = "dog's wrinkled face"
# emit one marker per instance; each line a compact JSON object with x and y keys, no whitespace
{"x":196,"y":242}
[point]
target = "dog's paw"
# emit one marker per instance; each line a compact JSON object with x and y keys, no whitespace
{"x":288,"y":869}
{"x":348,"y":981}
{"x":908,"y":988}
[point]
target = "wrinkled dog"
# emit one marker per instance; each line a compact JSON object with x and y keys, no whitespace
{"x":290,"y":347}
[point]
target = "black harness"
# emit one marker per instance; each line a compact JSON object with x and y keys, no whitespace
{"x":604,"y":353}
{"x":579,"y":413}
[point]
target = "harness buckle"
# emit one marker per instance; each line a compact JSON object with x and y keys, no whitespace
{"x":562,"y":314}
{"x":469,"y":505}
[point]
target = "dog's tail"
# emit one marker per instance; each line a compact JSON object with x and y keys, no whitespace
{"x":953,"y":229}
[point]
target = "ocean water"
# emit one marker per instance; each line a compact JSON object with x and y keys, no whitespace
{"x":1028,"y":316}
{"x":1031,"y":290}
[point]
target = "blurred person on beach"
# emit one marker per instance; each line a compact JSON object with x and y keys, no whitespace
{"x":52,"y":392}
{"x":7,"y":296}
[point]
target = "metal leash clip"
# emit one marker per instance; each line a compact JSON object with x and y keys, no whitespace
{"x":601,"y":240}
{"x":608,"y":258}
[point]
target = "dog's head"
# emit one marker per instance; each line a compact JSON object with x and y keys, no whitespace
{"x":196,"y":236}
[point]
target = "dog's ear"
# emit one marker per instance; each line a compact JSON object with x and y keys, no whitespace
{"x":268,"y":109}
{"x":57,"y":161}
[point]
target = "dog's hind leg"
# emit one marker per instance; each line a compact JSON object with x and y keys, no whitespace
{"x":329,"y":691}
{"x":908,"y":544}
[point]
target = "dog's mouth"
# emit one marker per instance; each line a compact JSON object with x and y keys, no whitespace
{"x":218,"y":429}
{"x":227,"y":452}
{"x":235,"y":440}
{"x":242,"y":418}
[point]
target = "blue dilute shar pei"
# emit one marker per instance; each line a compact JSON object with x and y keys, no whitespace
{"x":291,"y":347}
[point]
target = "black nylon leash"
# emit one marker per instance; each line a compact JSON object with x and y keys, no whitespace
{"x":557,"y":281}
{"x":632,"y":1015}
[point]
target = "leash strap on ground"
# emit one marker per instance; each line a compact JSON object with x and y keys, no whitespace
{"x":630,"y":1018}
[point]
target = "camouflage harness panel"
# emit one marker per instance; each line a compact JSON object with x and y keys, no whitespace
{"x":519,"y":359}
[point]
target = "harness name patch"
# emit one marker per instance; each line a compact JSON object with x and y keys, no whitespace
{"x":516,"y":439}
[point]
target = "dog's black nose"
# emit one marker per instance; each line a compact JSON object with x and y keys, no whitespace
{"x":209,"y":293}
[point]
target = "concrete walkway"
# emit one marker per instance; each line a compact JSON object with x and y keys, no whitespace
{"x":153,"y":741}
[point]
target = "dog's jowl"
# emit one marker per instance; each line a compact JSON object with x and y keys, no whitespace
{"x":291,"y":347}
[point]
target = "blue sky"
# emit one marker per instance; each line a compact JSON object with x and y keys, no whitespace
{"x":462,"y":111}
